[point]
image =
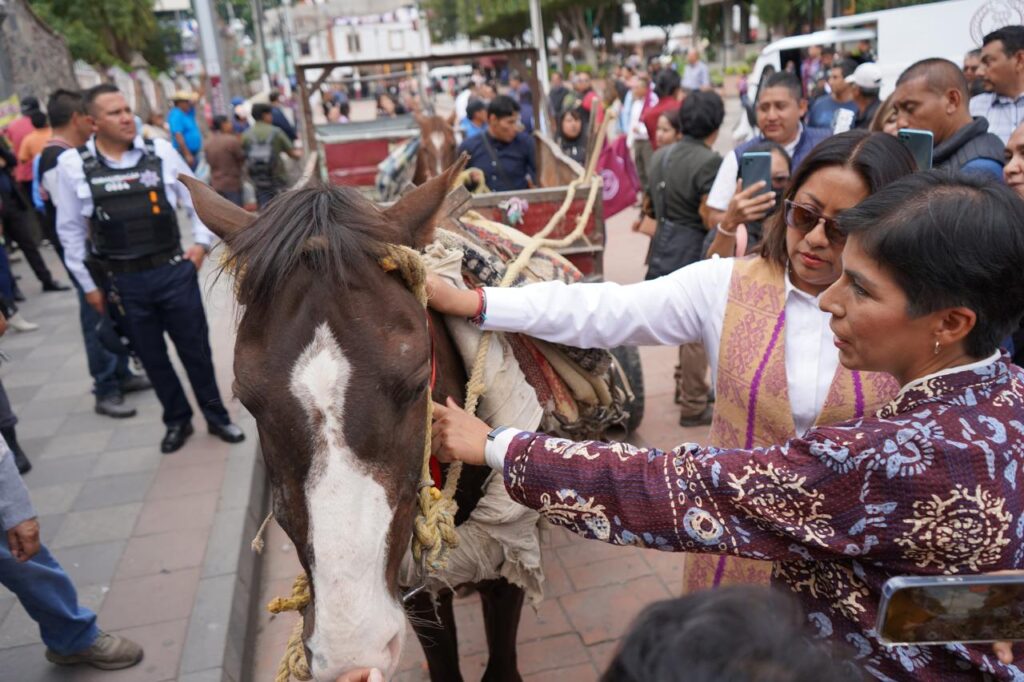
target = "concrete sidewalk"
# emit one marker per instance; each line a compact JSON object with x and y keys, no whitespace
{"x":151,"y":541}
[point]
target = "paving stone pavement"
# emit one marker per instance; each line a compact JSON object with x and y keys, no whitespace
{"x":132,"y":527}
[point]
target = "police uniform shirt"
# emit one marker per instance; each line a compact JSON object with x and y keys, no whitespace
{"x":75,"y":206}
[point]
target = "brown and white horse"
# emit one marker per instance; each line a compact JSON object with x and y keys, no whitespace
{"x":437,"y":147}
{"x":333,"y":359}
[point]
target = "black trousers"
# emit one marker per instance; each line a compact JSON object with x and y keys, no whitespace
{"x":166,"y":299}
{"x":20,"y":227}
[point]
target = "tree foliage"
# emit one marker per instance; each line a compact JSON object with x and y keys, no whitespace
{"x":664,"y":13}
{"x":103,"y":32}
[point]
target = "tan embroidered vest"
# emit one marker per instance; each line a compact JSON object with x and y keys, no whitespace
{"x":752,"y":407}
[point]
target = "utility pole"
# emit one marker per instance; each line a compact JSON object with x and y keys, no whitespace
{"x":216,"y":91}
{"x":261,"y":41}
{"x":541,"y":67}
{"x":6,"y":80}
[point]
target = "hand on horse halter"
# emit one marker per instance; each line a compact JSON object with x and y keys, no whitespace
{"x":457,"y":435}
{"x":363,"y":675}
{"x":444,"y":298}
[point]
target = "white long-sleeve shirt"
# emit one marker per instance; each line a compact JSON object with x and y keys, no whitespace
{"x":73,"y":200}
{"x":685,"y":306}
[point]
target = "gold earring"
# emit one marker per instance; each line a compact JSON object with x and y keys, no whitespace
{"x":937,"y":346}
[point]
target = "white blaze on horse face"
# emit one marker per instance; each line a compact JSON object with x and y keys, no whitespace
{"x":358,"y":622}
{"x":437,"y":139}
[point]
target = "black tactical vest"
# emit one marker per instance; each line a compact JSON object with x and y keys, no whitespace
{"x":132,"y":216}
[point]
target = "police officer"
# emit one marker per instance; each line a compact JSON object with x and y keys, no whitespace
{"x":116,"y":206}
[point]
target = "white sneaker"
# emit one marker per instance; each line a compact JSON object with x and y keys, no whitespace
{"x":20,"y":324}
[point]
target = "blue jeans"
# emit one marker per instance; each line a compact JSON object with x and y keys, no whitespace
{"x":167,"y":299}
{"x":107,"y":369}
{"x":46,"y":592}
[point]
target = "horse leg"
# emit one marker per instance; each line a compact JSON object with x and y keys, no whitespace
{"x":503,"y":604}
{"x":435,"y":628}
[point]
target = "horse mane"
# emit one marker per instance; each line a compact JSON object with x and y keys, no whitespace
{"x":334,"y":230}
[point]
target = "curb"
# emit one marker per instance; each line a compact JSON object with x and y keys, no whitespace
{"x":217,"y":642}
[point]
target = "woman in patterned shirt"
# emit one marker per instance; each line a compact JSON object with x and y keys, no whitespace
{"x":928,"y":485}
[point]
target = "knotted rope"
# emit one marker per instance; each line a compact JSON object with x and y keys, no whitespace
{"x":434,"y":529}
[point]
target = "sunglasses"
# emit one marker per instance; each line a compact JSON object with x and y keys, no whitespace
{"x":805,"y":218}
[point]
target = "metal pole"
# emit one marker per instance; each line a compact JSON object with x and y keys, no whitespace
{"x":289,"y":28}
{"x":541,"y":67}
{"x":261,"y":42}
{"x":216,"y":91}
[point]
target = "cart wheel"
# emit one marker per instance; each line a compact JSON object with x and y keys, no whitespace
{"x":628,"y":358}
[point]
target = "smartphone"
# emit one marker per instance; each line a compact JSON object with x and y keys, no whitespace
{"x":754,"y":167}
{"x":842,"y":121}
{"x":920,"y":143}
{"x":951,"y":609}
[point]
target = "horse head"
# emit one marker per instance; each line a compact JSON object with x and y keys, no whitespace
{"x":333,"y":359}
{"x":437,"y":147}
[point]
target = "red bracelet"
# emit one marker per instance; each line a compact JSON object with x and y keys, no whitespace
{"x":481,"y":308}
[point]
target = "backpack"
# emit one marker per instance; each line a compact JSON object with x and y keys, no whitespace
{"x":260,"y":161}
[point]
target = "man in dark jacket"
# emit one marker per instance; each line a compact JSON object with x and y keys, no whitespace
{"x":504,"y":153}
{"x":279,"y":119}
{"x":933,"y":94}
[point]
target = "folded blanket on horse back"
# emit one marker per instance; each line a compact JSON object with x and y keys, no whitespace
{"x":580,"y":390}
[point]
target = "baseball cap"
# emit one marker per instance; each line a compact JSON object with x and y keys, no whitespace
{"x":867,"y":76}
{"x":29,"y":104}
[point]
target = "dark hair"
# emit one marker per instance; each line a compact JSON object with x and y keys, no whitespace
{"x":474,"y":106}
{"x":260,"y":110}
{"x":701,"y":114}
{"x":741,"y":634}
{"x":846,"y":66}
{"x":503,"y":106}
{"x":667,"y":83}
{"x":940,"y":75}
{"x":949,"y":241}
{"x":96,"y":91}
{"x":63,"y":105}
{"x":877,"y":158}
{"x":344,"y":108}
{"x":38,"y":119}
{"x":218,"y":121}
{"x":1011,"y":36}
{"x":274,"y":95}
{"x":976,"y":52}
{"x":575,"y":113}
{"x":783,"y":79}
{"x":672,"y":116}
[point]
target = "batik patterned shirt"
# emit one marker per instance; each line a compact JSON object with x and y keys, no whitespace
{"x":934,"y":484}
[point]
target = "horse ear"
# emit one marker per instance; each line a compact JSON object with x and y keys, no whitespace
{"x":416,"y":213}
{"x":217,"y":213}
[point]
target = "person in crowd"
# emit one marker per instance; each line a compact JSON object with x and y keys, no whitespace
{"x":1002,"y":73}
{"x":239,"y":115}
{"x":44,"y":589}
{"x":668,"y":131}
{"x":526,"y":109}
{"x":823,"y":110}
{"x":681,"y":176}
{"x":386,"y":106}
{"x":886,"y":118}
{"x":16,"y":132}
{"x":263,"y":145}
{"x":184,"y":129}
{"x":639,"y":100}
{"x":930,"y":484}
{"x":572,"y":138}
{"x":18,"y":217}
{"x":932,"y":95}
{"x":111,"y":375}
{"x":582,"y":96}
{"x":695,"y":74}
{"x":32,"y":145}
{"x":9,"y":295}
{"x":156,"y":127}
{"x":670,"y":93}
{"x":1013,"y":175}
{"x":780,"y":106}
{"x":742,"y":634}
{"x":470,"y":92}
{"x":157,"y":284}
{"x":557,"y":94}
{"x":224,"y":153}
{"x":866,"y":84}
{"x":503,"y":153}
{"x":279,"y":118}
{"x":749,"y":207}
{"x":828,"y":61}
{"x":475,"y":121}
{"x":863,"y":53}
{"x":972,"y":72}
{"x":810,"y":70}
{"x":623,"y":80}
{"x":745,"y":311}
{"x":339,"y":113}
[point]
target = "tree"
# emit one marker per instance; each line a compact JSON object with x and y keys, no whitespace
{"x":102,"y":32}
{"x":663,"y":13}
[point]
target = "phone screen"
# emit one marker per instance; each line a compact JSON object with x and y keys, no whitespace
{"x":920,"y":144}
{"x":943,"y":609}
{"x":755,"y":167}
{"x":842,"y":121}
